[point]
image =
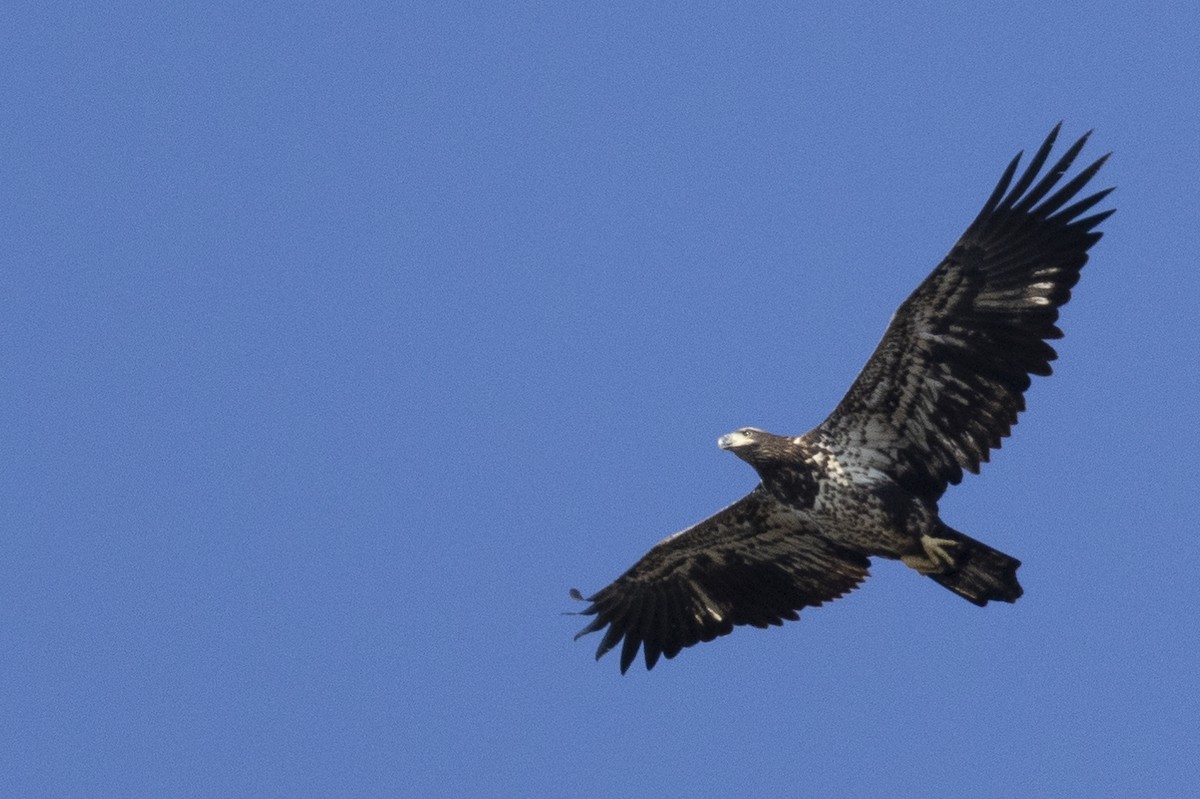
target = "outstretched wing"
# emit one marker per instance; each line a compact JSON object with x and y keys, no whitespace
{"x":945,"y":384}
{"x":755,"y":562}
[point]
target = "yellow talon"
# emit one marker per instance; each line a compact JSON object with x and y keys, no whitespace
{"x":936,"y":559}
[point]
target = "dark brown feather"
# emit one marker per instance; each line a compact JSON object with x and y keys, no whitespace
{"x":754,"y":563}
{"x":945,"y":384}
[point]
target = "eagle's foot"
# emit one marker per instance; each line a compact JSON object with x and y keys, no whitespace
{"x":936,"y":559}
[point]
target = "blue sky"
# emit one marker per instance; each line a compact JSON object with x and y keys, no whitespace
{"x":340,"y":342}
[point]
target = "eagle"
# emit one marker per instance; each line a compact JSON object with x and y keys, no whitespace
{"x":941,"y":389}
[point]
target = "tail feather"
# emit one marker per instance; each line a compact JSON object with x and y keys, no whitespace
{"x":980,"y":574}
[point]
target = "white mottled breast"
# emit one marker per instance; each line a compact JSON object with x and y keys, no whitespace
{"x":856,"y":471}
{"x":850,"y":508}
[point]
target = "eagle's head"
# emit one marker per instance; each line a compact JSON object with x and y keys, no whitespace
{"x":739,"y":440}
{"x":757,"y":447}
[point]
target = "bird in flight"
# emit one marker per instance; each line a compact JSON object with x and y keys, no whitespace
{"x":941,"y":390}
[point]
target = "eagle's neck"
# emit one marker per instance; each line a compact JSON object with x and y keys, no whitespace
{"x":787,"y":470}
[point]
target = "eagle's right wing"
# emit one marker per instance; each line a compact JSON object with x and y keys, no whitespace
{"x":755,"y":562}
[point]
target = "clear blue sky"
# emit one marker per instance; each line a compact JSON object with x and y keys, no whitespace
{"x":338,"y":343}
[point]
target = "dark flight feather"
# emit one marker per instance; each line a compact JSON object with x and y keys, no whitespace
{"x":752,"y":563}
{"x":945,"y":384}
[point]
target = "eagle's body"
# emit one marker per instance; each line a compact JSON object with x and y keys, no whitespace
{"x":861,"y":506}
{"x":942,"y":389}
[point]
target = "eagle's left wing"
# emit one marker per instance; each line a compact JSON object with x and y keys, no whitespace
{"x":756,"y":562}
{"x":946,"y":382}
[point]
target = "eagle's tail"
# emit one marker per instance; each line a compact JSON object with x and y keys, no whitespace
{"x":979,"y":574}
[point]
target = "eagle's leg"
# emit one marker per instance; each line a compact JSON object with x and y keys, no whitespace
{"x":936,"y":559}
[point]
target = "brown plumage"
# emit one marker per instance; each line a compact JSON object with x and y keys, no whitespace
{"x":941,"y":390}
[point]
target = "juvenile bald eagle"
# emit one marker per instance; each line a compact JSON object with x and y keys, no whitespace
{"x":941,"y":390}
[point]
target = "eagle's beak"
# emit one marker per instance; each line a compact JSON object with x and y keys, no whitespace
{"x":731,"y":440}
